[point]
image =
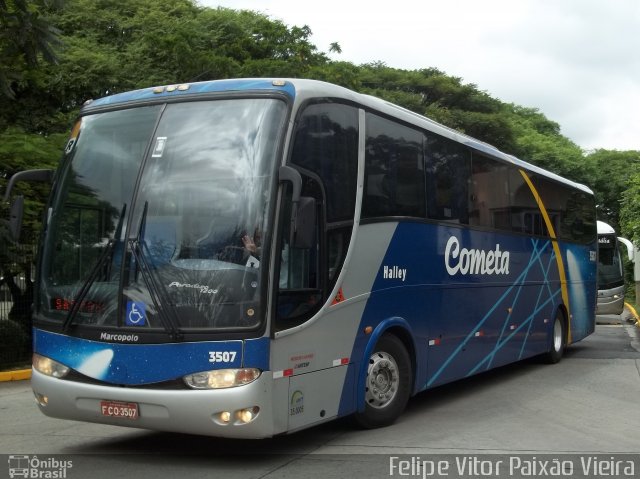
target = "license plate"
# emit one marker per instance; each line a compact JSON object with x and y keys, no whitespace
{"x":125,"y":410}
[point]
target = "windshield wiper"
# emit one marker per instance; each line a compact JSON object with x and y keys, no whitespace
{"x":95,"y":271}
{"x":159,"y":295}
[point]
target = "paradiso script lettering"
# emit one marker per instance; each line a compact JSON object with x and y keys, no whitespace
{"x":474,"y":261}
{"x":204,"y":289}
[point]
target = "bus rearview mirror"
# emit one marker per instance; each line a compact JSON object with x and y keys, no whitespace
{"x":45,"y":175}
{"x":15,"y":217}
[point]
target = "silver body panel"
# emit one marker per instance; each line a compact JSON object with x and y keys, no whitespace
{"x":610,"y":301}
{"x":185,"y":411}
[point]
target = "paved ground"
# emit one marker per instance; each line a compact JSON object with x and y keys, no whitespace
{"x":587,"y":404}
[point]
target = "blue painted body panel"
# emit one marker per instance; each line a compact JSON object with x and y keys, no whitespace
{"x":136,"y":364}
{"x":196,"y":88}
{"x":466,"y":324}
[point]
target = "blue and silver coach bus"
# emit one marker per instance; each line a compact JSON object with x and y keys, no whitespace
{"x":610,"y":271}
{"x":246,"y":258}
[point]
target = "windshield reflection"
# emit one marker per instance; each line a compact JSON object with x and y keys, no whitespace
{"x":207,"y":184}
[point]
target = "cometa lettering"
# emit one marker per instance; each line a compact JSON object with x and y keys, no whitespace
{"x":474,"y":261}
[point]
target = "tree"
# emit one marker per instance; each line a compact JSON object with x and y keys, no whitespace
{"x":20,"y":151}
{"x":116,"y":45}
{"x":25,"y":37}
{"x":112,"y":46}
{"x":538,"y":140}
{"x":335,"y":47}
{"x":615,"y":170}
{"x":630,"y":210}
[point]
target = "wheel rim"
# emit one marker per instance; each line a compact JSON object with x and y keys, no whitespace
{"x":382,"y":380}
{"x":557,"y":335}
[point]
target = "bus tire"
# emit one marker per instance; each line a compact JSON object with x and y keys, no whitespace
{"x":387,"y":383}
{"x":558,"y":340}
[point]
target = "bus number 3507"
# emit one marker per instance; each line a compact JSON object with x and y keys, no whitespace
{"x":222,"y":356}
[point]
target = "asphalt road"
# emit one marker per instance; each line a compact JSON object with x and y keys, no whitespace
{"x":587,"y":405}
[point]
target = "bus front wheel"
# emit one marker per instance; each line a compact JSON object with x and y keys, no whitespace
{"x":387,"y":384}
{"x":558,"y":340}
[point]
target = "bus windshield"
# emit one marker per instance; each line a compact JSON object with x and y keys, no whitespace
{"x":610,"y":271}
{"x":159,"y":216}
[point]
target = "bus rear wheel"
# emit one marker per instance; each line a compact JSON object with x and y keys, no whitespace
{"x":558,"y":340}
{"x":387,"y":384}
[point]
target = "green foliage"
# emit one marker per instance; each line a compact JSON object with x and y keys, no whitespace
{"x":108,"y":46}
{"x":630,"y":210}
{"x":25,"y":37}
{"x":55,"y":55}
{"x":615,"y":169}
{"x":20,"y":151}
{"x":16,"y":343}
{"x":341,"y":73}
{"x":538,"y":141}
{"x":443,"y":98}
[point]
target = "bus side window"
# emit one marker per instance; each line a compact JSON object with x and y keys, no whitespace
{"x":325,"y":152}
{"x":448,"y":167}
{"x":525,"y":213}
{"x":489,"y":193}
{"x":394,"y":170}
{"x":337,"y":246}
{"x":300,"y":292}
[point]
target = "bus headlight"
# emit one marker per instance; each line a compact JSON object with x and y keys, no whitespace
{"x":49,"y":367}
{"x":221,"y":378}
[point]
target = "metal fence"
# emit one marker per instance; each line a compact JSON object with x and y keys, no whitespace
{"x":16,"y":298}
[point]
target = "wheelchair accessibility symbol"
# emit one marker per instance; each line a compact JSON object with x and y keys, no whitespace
{"x":136,"y":314}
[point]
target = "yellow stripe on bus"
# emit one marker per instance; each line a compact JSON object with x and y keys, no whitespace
{"x":556,"y":248}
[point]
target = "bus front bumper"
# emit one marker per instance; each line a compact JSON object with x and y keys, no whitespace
{"x":612,"y":303}
{"x":240,"y":412}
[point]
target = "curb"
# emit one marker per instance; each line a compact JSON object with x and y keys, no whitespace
{"x":17,"y":375}
{"x":633,"y":313}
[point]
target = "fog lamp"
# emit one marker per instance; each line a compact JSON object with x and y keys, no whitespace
{"x":41,"y":399}
{"x":248,"y":414}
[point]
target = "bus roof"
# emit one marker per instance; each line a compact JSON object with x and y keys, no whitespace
{"x":303,"y":89}
{"x":605,"y":229}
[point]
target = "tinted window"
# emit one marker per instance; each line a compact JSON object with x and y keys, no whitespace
{"x":578,"y":222}
{"x":571,"y":212}
{"x":525,"y":213}
{"x":581,"y":221}
{"x":326,"y":143}
{"x":394,"y":171}
{"x":337,"y":245}
{"x":489,"y":193}
{"x":448,"y":166}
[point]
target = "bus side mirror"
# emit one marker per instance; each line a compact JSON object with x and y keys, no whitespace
{"x":28,"y":175}
{"x":629,"y":247}
{"x":303,"y":234}
{"x":15,"y":217}
{"x":303,"y":213}
{"x":17,"y":206}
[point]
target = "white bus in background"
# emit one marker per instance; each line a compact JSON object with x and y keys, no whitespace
{"x":610,"y":270}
